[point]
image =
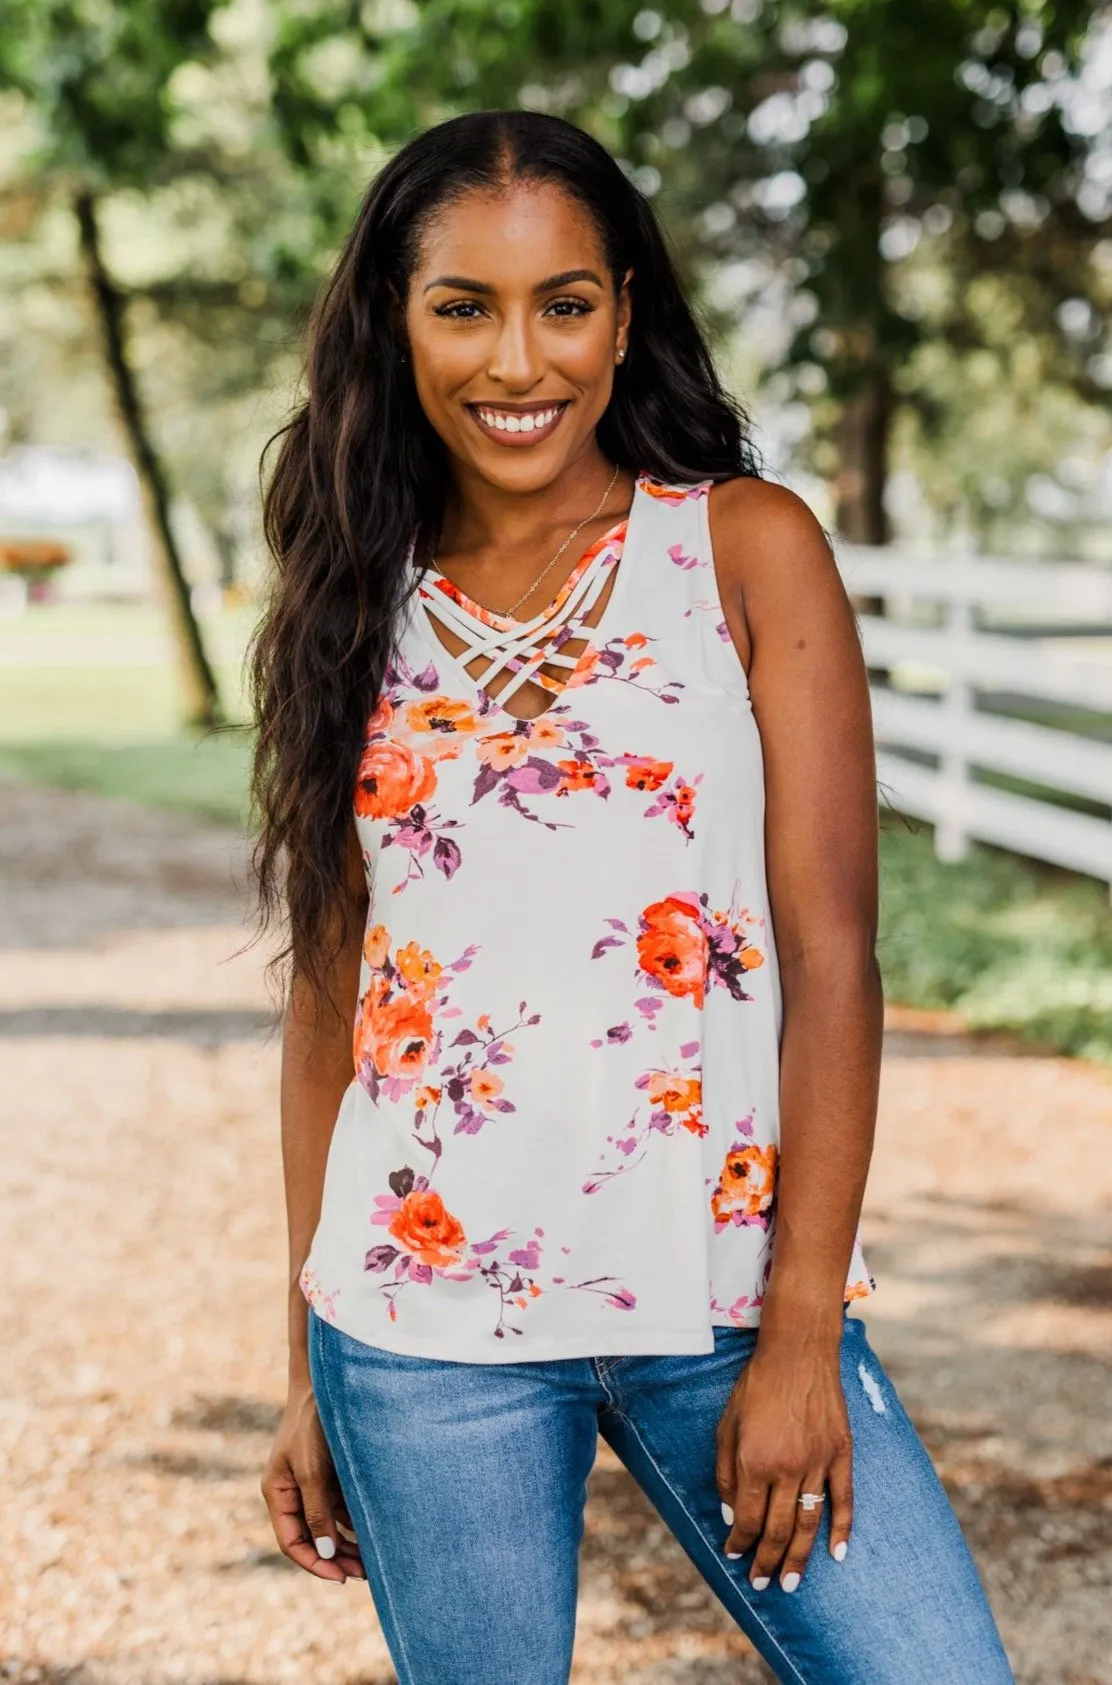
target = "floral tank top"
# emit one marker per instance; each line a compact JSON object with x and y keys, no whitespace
{"x":561,"y":1134}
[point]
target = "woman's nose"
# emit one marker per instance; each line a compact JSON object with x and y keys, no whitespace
{"x":514,"y":360}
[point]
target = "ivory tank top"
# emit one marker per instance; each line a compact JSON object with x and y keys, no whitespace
{"x":561,"y":1135}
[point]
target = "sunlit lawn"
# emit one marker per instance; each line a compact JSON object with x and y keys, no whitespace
{"x":89,"y":699}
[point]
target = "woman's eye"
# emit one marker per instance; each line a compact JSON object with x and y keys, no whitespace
{"x":567,"y":307}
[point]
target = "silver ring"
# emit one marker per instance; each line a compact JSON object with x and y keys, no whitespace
{"x":810,"y":1500}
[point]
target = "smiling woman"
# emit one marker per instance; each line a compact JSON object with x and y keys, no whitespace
{"x":566,"y":783}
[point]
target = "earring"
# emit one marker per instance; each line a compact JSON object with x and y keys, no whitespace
{"x":621,"y":353}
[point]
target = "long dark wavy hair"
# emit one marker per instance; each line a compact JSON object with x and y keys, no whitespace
{"x":360,"y":473}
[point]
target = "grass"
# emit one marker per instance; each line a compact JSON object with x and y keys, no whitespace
{"x":1009,"y":943}
{"x":206,"y":775}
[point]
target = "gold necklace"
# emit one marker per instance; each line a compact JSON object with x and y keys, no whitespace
{"x":509,"y":612}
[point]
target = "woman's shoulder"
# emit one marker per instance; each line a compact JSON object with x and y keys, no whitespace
{"x":759,"y":510}
{"x":759,"y":527}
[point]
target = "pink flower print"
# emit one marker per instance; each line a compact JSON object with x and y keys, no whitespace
{"x":676,"y":554}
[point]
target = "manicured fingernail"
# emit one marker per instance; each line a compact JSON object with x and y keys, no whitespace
{"x":735,"y":1555}
{"x":790,"y":1581}
{"x":326,"y":1547}
{"x":761,"y":1582}
{"x":727,"y":1515}
{"x":840,"y":1550}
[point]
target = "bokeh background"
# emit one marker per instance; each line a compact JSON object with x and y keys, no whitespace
{"x":895,"y":218}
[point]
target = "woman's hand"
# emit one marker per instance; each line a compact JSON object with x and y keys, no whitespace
{"x":785,"y":1431}
{"x":303,"y":1495}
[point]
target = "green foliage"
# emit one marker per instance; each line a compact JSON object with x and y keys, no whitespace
{"x":829,"y":136}
{"x":99,"y":75}
{"x":1011,"y":945}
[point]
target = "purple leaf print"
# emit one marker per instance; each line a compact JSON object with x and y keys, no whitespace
{"x":401,"y":1181}
{"x":486,"y":781}
{"x":466,"y":1038}
{"x":427,"y":679}
{"x":622,"y":1300}
{"x":534,"y":777}
{"x":380,"y":1257}
{"x":618,"y":924}
{"x":528,"y":1257}
{"x":420,"y":1272}
{"x":603,"y":943}
{"x":446,"y":856}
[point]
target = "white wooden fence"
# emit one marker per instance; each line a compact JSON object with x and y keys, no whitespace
{"x":954,"y":660}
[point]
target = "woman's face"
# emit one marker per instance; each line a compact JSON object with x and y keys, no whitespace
{"x":514,"y":332}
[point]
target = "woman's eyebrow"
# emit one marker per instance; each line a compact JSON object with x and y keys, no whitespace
{"x":549,"y":284}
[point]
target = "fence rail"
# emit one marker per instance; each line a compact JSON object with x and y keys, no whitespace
{"x":932,"y":706}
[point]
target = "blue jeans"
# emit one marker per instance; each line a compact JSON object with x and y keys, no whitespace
{"x":466,"y":1482}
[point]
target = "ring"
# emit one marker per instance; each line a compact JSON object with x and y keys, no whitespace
{"x":810,"y":1499}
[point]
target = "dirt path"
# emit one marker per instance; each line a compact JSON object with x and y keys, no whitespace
{"x":142,"y":1325}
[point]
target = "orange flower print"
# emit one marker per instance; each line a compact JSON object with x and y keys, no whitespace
{"x":427,"y":1231}
{"x":673,"y":493}
{"x":672,"y":946}
{"x":684,"y":948}
{"x":502,"y":749}
{"x":437,"y":720}
{"x":419,"y":969}
{"x":577,"y":775}
{"x":680,"y":1096}
{"x":486,"y":1087}
{"x":393,"y":1034}
{"x":376,"y":946}
{"x":643,"y":773}
{"x":745,"y":1187}
{"x":391,"y":780}
{"x":427,"y":1239}
{"x":546,"y":734}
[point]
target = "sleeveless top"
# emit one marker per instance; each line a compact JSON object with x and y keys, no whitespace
{"x":561,"y":1136}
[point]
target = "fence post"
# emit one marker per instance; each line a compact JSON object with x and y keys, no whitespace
{"x":951,"y":837}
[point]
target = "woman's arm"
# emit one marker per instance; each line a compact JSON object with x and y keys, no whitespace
{"x":299,"y":1484}
{"x":793,"y":624}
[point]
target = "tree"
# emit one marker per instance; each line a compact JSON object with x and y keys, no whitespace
{"x":100,"y":77}
{"x":825,"y":139}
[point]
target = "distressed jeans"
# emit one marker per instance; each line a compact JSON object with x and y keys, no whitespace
{"x":466,"y":1485}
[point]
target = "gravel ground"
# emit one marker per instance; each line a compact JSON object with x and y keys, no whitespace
{"x":143,"y":1323}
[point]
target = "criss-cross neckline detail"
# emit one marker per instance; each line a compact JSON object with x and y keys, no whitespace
{"x":523,"y":647}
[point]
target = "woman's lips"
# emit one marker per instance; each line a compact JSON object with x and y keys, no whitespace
{"x":532,"y":435}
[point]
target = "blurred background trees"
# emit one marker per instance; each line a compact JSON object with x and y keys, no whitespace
{"x":894,"y":215}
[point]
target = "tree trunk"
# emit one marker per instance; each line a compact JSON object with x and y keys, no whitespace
{"x":862,"y":436}
{"x":202,"y":696}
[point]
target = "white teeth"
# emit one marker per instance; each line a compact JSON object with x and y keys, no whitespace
{"x":531,"y":422}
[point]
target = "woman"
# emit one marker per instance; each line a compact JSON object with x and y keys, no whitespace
{"x":547,"y":663}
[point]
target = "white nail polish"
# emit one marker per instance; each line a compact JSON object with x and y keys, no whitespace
{"x":734,"y":1555}
{"x":326,"y":1547}
{"x":761,"y":1582}
{"x":790,"y":1581}
{"x":840,"y":1551}
{"x":727,"y":1515}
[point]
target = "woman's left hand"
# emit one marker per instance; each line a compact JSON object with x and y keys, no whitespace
{"x":785,"y":1431}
